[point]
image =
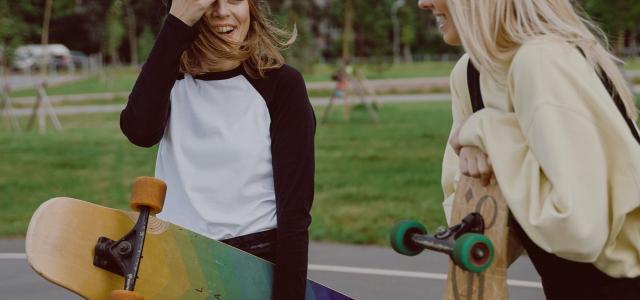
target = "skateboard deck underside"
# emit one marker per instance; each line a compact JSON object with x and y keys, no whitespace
{"x":492,"y":283}
{"x":176,"y":264}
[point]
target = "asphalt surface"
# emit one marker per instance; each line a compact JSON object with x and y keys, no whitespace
{"x":363,"y":272}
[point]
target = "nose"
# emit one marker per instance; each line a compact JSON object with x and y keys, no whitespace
{"x":220,"y":9}
{"x":425,"y":4}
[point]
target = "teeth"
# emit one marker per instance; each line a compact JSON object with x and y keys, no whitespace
{"x":224,"y":29}
{"x":441,"y":20}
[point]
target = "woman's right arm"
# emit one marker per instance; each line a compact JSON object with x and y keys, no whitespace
{"x":144,"y":118}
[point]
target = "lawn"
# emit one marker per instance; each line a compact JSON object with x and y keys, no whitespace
{"x":322,"y":72}
{"x":632,"y":64}
{"x":367,"y":174}
{"x":111,"y":80}
{"x":122,"y":79}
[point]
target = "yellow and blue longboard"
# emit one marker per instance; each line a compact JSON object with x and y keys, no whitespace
{"x":176,"y":263}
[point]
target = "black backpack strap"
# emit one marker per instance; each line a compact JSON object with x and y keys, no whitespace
{"x":608,"y":84}
{"x":473,"y":84}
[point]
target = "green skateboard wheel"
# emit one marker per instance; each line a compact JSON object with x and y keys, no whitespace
{"x":400,"y":237}
{"x":473,"y":252}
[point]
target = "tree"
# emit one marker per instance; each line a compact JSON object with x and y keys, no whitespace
{"x":145,"y":43}
{"x":617,"y":17}
{"x":21,"y":21}
{"x":115,"y":31}
{"x":291,"y":13}
{"x":131,"y":32}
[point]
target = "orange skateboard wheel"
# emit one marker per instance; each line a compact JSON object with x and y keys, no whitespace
{"x":125,"y":295}
{"x":149,"y":192}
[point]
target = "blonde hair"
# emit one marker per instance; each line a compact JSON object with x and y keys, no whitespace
{"x":492,"y":31}
{"x":258,"y":53}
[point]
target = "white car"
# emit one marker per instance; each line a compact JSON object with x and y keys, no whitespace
{"x":31,"y":57}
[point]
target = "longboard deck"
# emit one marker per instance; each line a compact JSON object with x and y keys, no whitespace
{"x":176,"y":264}
{"x":470,"y":197}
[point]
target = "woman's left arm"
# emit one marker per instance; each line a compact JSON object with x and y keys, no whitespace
{"x":292,"y":146}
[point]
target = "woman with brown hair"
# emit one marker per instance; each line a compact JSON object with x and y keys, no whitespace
{"x":539,"y":103}
{"x":236,"y":132}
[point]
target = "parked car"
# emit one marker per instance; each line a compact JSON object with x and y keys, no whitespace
{"x":32,"y":57}
{"x":79,"y":59}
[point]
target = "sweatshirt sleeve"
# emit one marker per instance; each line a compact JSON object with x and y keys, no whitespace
{"x":460,"y":109}
{"x":548,"y":155}
{"x":145,"y":117}
{"x":292,"y":147}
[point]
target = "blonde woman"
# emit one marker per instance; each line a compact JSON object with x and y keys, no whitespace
{"x":236,"y":132}
{"x":557,"y":132}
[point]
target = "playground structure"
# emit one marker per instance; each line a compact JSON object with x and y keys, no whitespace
{"x":42,"y":106}
{"x":351,"y":82}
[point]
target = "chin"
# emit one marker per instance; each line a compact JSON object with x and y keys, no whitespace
{"x":452,"y":40}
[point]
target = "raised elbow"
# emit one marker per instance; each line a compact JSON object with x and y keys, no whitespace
{"x":141,"y":136}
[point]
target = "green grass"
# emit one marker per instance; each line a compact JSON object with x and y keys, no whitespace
{"x":368,"y":174}
{"x":632,"y":64}
{"x":112,"y":80}
{"x":417,"y":69}
{"x":122,"y":80}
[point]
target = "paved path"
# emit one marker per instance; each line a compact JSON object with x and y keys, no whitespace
{"x":364,"y":272}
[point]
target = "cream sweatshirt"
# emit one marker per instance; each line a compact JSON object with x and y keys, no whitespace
{"x":565,"y":160}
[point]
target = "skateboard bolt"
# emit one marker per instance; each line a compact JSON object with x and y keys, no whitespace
{"x":478,"y":253}
{"x":124,"y":248}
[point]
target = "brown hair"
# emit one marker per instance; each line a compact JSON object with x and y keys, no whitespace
{"x":258,"y":53}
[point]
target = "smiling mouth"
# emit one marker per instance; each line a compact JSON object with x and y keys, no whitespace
{"x":225,"y":29}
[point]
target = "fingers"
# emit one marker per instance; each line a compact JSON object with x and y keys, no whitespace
{"x":190,"y":11}
{"x":474,"y":163}
{"x":484,"y":170}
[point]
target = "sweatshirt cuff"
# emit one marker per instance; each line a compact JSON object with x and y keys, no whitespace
{"x":471,"y":133}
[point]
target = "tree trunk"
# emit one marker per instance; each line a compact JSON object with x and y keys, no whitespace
{"x":633,"y":43}
{"x":133,"y":40}
{"x":347,"y":35}
{"x":45,"y":36}
{"x":408,"y":56}
{"x":620,"y":42}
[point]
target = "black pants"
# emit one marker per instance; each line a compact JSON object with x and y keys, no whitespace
{"x":564,"y":279}
{"x":261,"y":244}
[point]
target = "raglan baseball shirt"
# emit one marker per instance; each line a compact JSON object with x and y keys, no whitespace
{"x":237,"y":153}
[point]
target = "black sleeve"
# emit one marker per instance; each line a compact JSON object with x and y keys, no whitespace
{"x":292,"y":146}
{"x":145,"y":117}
